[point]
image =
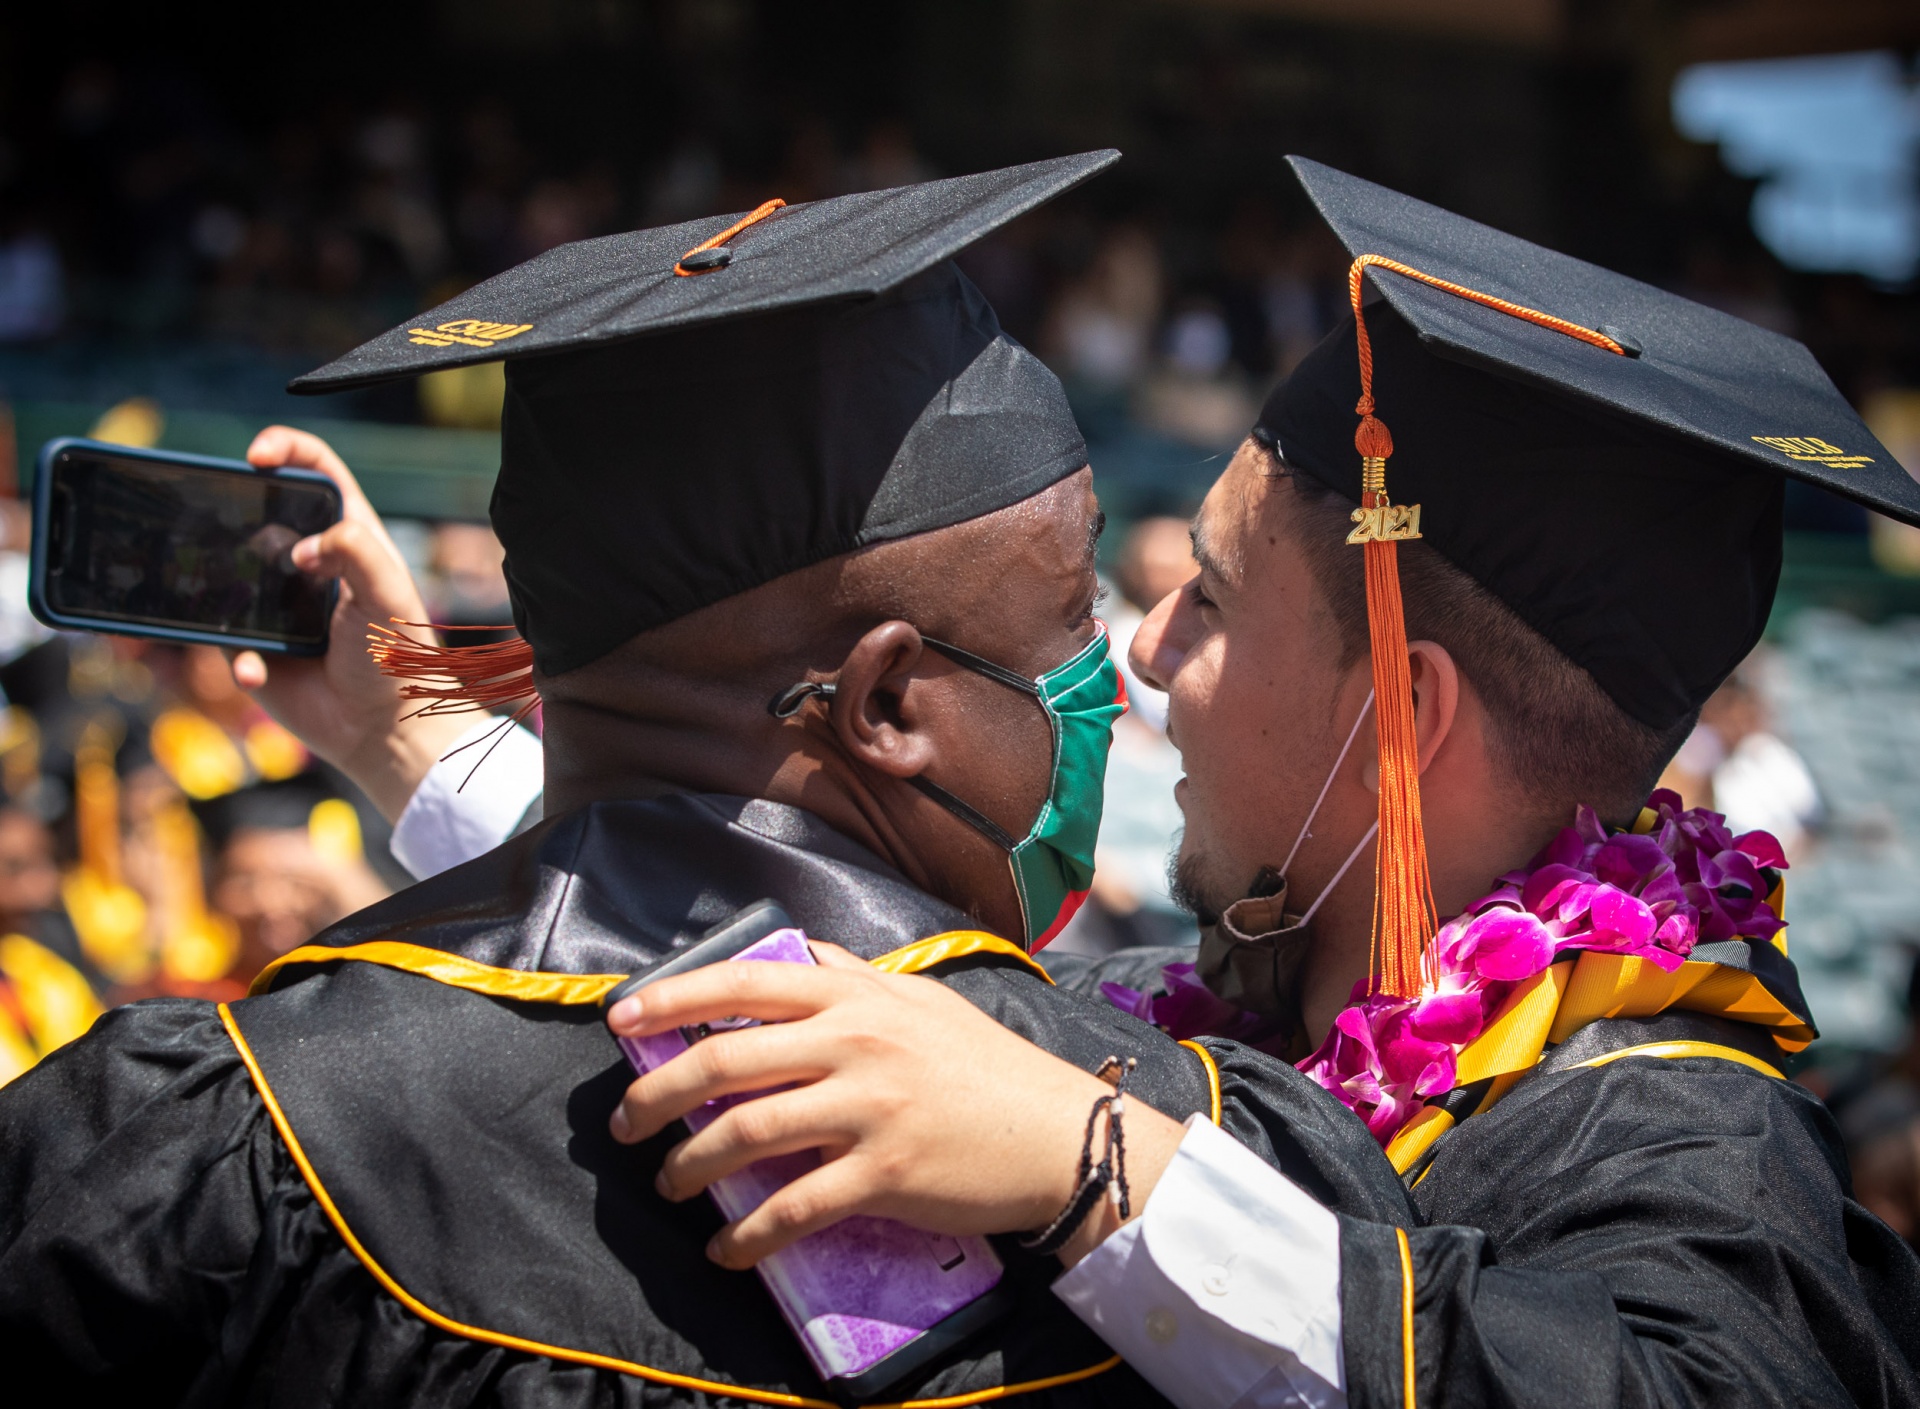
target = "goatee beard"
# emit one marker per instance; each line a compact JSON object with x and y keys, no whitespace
{"x":1186,"y":885}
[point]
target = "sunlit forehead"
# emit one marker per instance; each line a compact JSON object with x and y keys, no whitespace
{"x":1220,"y":528}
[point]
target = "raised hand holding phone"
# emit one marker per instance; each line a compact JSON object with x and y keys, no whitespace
{"x":340,"y":705}
{"x":184,"y":548}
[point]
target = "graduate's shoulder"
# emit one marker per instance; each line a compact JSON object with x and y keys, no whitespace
{"x":392,"y":1003}
{"x":155,"y":1090}
{"x":1662,"y":1116}
{"x":1688,"y":1179}
{"x":129,"y":1056}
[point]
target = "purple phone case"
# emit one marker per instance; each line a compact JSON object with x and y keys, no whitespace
{"x":863,"y":1289}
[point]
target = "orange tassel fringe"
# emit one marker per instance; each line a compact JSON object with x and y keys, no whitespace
{"x":1403,"y":911}
{"x":1404,"y":917}
{"x":472,"y":678}
{"x":478,"y":677}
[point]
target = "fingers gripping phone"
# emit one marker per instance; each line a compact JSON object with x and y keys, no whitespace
{"x":869,"y":1298}
{"x":178,"y":547}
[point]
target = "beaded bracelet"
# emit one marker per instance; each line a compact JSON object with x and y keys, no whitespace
{"x":1107,"y":1177}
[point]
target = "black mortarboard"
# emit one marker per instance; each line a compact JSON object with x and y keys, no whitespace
{"x":1625,"y":506}
{"x":1606,"y":459}
{"x":670,"y":439}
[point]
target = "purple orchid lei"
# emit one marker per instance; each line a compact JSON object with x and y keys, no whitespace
{"x":1653,"y":896}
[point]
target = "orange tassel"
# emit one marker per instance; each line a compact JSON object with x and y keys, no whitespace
{"x":1372,"y":439}
{"x":1403,"y":911}
{"x":475,"y":677}
{"x":1404,"y":918}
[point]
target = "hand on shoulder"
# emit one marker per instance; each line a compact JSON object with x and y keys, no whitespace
{"x":924,"y":1108}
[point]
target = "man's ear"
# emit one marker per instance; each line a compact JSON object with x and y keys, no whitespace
{"x":1436,"y":696}
{"x":877,"y":715}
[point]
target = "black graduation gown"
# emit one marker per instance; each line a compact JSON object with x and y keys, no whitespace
{"x":1644,"y":1232}
{"x":466,"y":1231}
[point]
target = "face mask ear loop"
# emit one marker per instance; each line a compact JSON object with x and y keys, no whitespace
{"x":1340,"y":874}
{"x":1332,"y":773}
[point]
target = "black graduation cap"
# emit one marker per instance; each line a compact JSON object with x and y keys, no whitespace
{"x":1621,"y":494}
{"x":687,"y":419}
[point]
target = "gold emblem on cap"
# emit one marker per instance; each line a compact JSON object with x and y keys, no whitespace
{"x":1814,"y":449}
{"x":467,"y":332}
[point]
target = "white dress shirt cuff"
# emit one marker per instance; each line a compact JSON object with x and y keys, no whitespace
{"x":1225,"y":1292}
{"x":446,"y":824}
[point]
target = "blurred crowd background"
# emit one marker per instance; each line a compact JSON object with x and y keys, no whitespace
{"x":197,"y":204}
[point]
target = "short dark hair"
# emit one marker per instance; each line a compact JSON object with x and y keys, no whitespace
{"x":1555,"y":731}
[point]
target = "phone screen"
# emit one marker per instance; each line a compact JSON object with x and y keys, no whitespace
{"x":153,"y":543}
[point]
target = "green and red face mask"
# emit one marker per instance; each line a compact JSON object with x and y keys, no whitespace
{"x":1053,"y":864}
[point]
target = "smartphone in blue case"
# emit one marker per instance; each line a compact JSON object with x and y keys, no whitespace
{"x":178,"y":547}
